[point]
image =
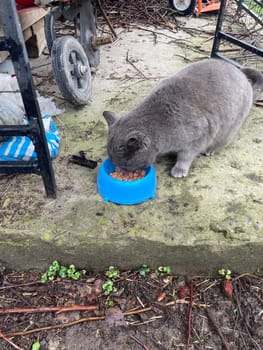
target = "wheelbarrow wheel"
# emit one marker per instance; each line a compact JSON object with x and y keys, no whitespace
{"x":71,"y":70}
{"x":50,"y":19}
{"x":81,"y":21}
{"x":184,"y":7}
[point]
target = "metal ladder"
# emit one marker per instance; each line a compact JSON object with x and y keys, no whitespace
{"x":221,"y":35}
{"x":13,"y":41}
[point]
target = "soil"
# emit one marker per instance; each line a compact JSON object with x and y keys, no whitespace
{"x":154,"y":311}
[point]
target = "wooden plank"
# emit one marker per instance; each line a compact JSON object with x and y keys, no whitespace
{"x":30,"y":15}
{"x":37,"y":42}
{"x":32,"y":23}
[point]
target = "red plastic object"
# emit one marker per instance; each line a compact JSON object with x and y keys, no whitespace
{"x":25,"y":2}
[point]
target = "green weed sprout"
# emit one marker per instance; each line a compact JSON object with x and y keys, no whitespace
{"x":56,"y":270}
{"x":108,"y":287}
{"x":144,"y":270}
{"x":73,"y":273}
{"x":36,"y":346}
{"x":163,"y":270}
{"x":110,"y":303}
{"x":226,"y":273}
{"x":112,"y":273}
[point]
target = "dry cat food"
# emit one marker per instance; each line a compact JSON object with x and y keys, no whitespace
{"x":128,"y":176}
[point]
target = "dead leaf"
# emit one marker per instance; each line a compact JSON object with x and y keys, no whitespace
{"x":228,"y":288}
{"x":183,"y":292}
{"x":114,"y":317}
{"x":67,"y":317}
{"x":90,"y":289}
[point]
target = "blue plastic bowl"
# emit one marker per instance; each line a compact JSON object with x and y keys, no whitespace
{"x":125,"y":192}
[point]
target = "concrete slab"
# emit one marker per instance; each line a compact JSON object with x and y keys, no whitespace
{"x":209,"y":220}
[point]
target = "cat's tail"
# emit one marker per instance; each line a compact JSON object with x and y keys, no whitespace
{"x":256,"y":79}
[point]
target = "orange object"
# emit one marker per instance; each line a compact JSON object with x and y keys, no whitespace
{"x":207,"y":6}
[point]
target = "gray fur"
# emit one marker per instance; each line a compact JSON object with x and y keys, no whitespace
{"x":198,"y":110}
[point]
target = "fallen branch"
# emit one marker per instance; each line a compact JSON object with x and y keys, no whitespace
{"x":49,"y":309}
{"x":59,"y":326}
{"x":93,"y":318}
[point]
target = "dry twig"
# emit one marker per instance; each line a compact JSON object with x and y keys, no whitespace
{"x":139,"y":342}
{"x":95,"y":318}
{"x":134,"y":66}
{"x":10,"y":341}
{"x":31,"y":310}
{"x":189,"y":323}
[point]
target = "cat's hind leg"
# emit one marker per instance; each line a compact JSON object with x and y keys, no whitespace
{"x":183,"y":163}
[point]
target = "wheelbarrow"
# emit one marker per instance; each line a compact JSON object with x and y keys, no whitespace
{"x":72,"y":56}
{"x":188,"y":7}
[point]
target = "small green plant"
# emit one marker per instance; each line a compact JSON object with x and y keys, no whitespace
{"x":108,"y":287}
{"x":226,"y":273}
{"x":36,"y":346}
{"x":56,"y":270}
{"x":110,"y":303}
{"x":144,"y":270}
{"x":73,"y":273}
{"x":163,"y":270}
{"x":112,"y":273}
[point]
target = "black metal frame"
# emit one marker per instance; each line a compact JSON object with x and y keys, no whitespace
{"x":220,"y":35}
{"x":13,"y":41}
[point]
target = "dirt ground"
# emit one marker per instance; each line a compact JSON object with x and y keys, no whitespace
{"x":150,"y":312}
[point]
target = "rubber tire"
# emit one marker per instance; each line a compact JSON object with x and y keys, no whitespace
{"x":50,"y":34}
{"x":65,"y":51}
{"x":49,"y":27}
{"x":186,"y":10}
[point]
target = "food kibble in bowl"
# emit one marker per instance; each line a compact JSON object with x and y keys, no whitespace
{"x":128,"y":176}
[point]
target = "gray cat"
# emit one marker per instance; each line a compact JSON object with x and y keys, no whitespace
{"x":197,"y":111}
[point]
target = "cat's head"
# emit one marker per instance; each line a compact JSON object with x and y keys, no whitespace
{"x":129,"y":147}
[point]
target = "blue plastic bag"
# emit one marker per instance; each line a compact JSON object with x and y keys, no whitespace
{"x":22,"y":148}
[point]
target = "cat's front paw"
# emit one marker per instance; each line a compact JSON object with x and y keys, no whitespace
{"x":209,"y":152}
{"x":179,"y":172}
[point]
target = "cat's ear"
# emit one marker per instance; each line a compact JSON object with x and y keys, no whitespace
{"x":110,"y":117}
{"x":138,"y":142}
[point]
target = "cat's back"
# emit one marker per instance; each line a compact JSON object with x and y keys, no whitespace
{"x":210,"y":72}
{"x":206,"y":85}
{"x":206,"y":66}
